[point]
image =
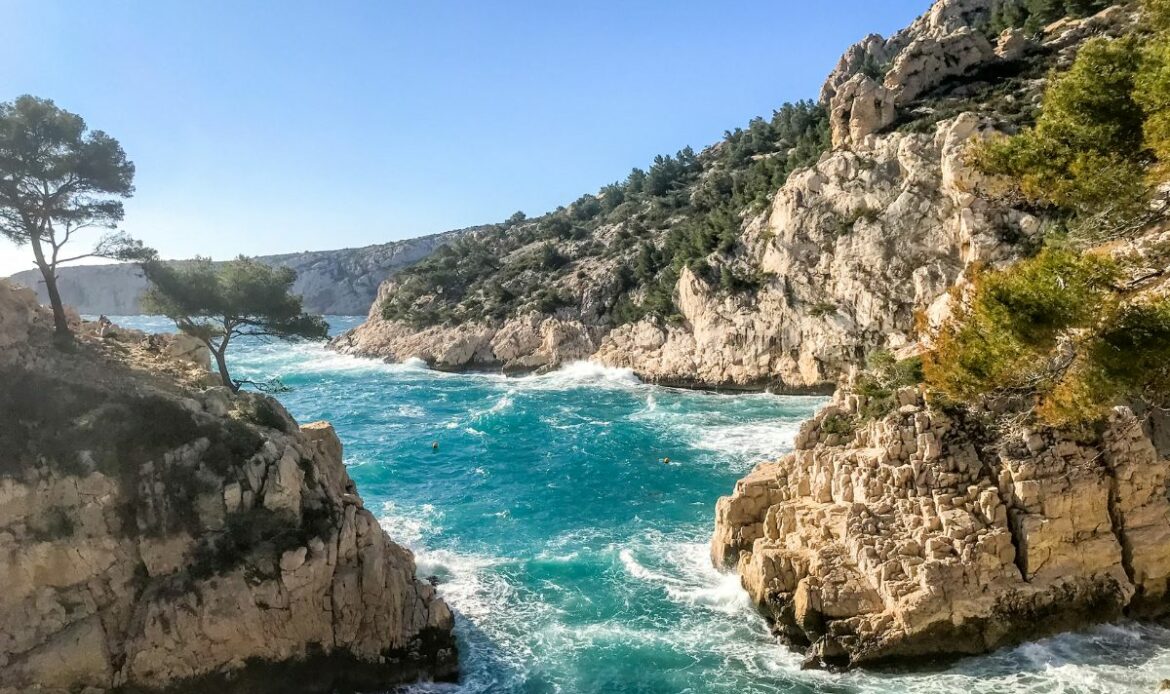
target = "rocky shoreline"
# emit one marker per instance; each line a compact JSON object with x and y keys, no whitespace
{"x":162,"y":536}
{"x":344,"y":344}
{"x":928,"y":533}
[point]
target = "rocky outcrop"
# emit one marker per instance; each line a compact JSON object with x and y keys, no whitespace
{"x":340,"y":283}
{"x":526,"y":343}
{"x":924,"y":534}
{"x":520,"y":345}
{"x":944,"y":43}
{"x":157,"y":536}
{"x":853,"y":248}
{"x":849,"y":256}
{"x":861,"y":108}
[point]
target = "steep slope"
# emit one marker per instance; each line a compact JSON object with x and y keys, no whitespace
{"x":159,"y":536}
{"x":918,"y":522}
{"x":777,"y":258}
{"x":342,"y":282}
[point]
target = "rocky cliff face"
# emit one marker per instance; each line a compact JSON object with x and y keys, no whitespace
{"x":923,"y":531}
{"x":844,"y":257}
{"x":156,"y":536}
{"x":924,"y":534}
{"x":853,"y":247}
{"x":339,"y":283}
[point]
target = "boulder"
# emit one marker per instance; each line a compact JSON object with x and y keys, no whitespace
{"x":189,"y":349}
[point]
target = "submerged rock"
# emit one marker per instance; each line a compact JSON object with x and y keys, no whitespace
{"x":924,"y":534}
{"x":156,"y":537}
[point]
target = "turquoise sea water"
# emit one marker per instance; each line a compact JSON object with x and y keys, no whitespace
{"x":576,"y":561}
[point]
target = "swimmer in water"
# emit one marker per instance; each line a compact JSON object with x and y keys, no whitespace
{"x":666,"y":461}
{"x":435,"y":446}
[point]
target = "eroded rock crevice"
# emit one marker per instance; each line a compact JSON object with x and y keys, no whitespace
{"x":159,"y":536}
{"x":922,"y":534}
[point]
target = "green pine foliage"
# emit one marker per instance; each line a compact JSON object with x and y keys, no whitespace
{"x":1102,"y":140}
{"x":1060,"y":328}
{"x":216,"y":304}
{"x":1086,"y":158}
{"x":1006,"y":336}
{"x":1034,"y":15}
{"x":682,"y":210}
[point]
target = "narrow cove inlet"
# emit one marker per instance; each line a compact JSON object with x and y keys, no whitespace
{"x":447,"y":348}
{"x":576,"y":561}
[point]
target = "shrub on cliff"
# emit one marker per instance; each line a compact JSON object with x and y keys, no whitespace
{"x":1034,"y":15}
{"x":240,"y":298}
{"x":1005,"y":336}
{"x":1062,"y":329}
{"x":884,"y":374}
{"x":1152,"y":86}
{"x":1086,"y":155}
{"x":1102,"y":138}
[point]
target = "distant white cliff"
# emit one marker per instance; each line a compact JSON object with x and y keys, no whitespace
{"x":340,"y":282}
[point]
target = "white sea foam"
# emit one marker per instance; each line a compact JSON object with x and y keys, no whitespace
{"x":640,"y":572}
{"x":502,"y":404}
{"x":412,"y":411}
{"x":580,"y":373}
{"x":740,"y":444}
{"x":748,"y":442}
{"x":410,"y":527}
{"x":303,"y":358}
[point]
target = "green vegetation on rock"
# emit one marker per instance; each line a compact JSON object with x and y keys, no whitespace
{"x":1071,"y":327}
{"x":1034,"y":15}
{"x":239,"y":298}
{"x":685,"y":210}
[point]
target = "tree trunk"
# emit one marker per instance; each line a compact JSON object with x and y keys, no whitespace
{"x":221,"y":362}
{"x":62,"y":325}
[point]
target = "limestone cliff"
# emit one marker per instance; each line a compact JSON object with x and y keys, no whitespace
{"x":839,"y":261}
{"x":158,"y":536}
{"x":929,"y":533}
{"x":341,"y":282}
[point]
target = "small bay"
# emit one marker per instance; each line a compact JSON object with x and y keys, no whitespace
{"x":576,"y":559}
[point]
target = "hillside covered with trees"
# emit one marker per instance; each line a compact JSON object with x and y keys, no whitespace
{"x":793,"y":249}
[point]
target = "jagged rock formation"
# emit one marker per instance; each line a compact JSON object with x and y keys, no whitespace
{"x":855,"y":246}
{"x":848,"y":252}
{"x":156,"y":536}
{"x":925,"y":534}
{"x":525,"y":343}
{"x":340,"y":283}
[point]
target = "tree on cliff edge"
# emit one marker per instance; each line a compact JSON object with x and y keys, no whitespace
{"x":239,"y":298}
{"x":58,"y":178}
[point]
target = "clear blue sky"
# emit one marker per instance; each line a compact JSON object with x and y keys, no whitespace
{"x":264,"y":127}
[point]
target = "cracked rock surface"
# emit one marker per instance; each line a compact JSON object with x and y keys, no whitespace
{"x":155,"y":536}
{"x":921,"y":534}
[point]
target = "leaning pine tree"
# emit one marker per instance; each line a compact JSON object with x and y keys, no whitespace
{"x":239,"y":298}
{"x":57,"y":179}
